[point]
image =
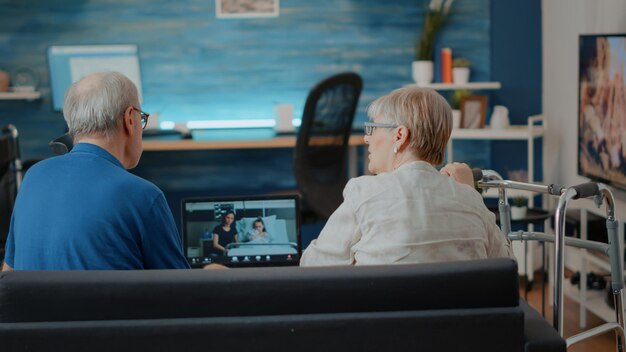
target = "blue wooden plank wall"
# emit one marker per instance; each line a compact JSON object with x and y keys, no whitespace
{"x":195,"y":66}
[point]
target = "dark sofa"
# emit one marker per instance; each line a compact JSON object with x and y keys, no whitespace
{"x":460,"y":306}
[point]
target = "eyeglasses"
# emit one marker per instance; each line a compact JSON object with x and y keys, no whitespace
{"x":371,"y":126}
{"x":144,"y":117}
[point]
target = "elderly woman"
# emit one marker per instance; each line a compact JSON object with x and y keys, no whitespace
{"x":408,"y":212}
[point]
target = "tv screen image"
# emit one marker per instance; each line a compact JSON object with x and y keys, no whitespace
{"x":602,"y":108}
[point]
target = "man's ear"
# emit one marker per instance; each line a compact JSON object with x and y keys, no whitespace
{"x":128,"y":123}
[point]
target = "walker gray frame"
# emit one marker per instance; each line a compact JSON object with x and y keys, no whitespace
{"x":599,"y":191}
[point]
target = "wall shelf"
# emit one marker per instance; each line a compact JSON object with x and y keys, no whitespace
{"x":535,"y":128}
{"x":20,"y":95}
{"x":469,"y":85}
{"x":515,"y":132}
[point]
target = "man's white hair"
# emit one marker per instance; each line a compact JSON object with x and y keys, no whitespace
{"x":95,"y":104}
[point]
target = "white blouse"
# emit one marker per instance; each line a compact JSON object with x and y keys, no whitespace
{"x":411,"y":215}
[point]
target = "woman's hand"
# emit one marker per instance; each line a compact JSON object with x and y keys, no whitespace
{"x":460,"y":172}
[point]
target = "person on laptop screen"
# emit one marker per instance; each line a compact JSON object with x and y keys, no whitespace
{"x":224,"y":233}
{"x":408,"y":212}
{"x":258,"y":234}
{"x":83,"y":210}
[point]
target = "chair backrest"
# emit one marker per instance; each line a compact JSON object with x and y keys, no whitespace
{"x":166,"y":294}
{"x":10,"y":179}
{"x":320,"y":159}
{"x":61,"y":145}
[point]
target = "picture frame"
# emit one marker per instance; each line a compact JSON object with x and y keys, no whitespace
{"x":246,"y":8}
{"x":473,"y":111}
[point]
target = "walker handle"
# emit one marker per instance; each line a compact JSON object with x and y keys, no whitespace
{"x":585,"y":190}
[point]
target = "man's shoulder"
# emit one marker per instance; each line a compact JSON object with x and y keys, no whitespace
{"x":140,"y":187}
{"x":45,"y":164}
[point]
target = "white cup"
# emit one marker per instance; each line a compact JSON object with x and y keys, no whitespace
{"x":284,"y":117}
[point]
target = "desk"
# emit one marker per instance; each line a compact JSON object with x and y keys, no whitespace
{"x":354,"y":142}
{"x":190,"y":144}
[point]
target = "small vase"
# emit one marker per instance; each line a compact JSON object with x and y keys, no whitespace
{"x":460,"y":75}
{"x":500,"y":118}
{"x":422,"y":72}
{"x":518,"y":213}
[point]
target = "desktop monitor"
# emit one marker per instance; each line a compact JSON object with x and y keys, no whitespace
{"x":69,"y":63}
{"x":203,"y":219}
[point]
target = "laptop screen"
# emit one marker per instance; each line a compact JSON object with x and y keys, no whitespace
{"x":242,"y":231}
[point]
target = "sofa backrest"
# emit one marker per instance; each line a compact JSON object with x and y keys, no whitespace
{"x":45,"y":296}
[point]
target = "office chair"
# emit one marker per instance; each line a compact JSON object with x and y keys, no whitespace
{"x":320,"y":158}
{"x":61,"y":145}
{"x":10,"y":179}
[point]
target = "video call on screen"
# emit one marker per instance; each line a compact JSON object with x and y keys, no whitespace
{"x":264,"y":232}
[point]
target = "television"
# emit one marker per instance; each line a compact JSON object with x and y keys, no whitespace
{"x":69,"y":63}
{"x":602,"y":108}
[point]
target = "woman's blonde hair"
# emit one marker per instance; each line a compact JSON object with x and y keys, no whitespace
{"x":424,"y":112}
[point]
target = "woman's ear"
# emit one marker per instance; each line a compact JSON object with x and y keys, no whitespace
{"x":401,"y":136}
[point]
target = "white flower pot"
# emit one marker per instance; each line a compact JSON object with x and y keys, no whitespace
{"x":460,"y":75}
{"x":422,"y":72}
{"x":518,"y":213}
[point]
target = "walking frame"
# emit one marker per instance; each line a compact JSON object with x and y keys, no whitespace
{"x":598,"y":191}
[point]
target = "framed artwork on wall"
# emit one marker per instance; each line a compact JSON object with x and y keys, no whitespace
{"x":473,"y":111}
{"x":246,"y":8}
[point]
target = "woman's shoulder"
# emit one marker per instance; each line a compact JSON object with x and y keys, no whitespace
{"x":371,"y":183}
{"x":362,"y":181}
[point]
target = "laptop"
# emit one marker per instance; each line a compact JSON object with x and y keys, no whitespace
{"x":206,"y":241}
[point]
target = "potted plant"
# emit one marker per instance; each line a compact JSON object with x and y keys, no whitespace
{"x":461,"y":70}
{"x":519,"y":207}
{"x":433,"y":21}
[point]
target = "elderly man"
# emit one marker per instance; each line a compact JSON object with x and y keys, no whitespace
{"x":83,"y":210}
